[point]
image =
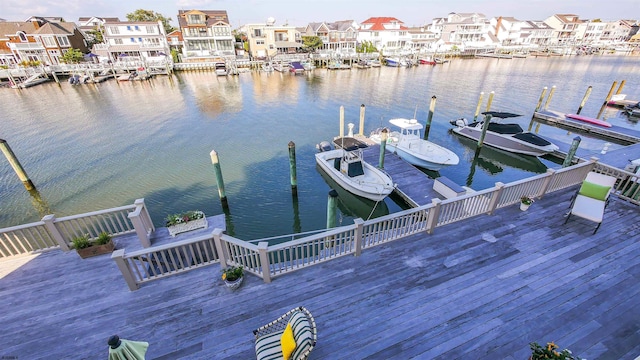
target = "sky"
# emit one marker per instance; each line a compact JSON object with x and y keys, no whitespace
{"x":302,"y":12}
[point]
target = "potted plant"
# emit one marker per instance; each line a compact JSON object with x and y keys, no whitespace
{"x":187,"y":221}
{"x":86,"y":248}
{"x":233,"y":276}
{"x":539,"y":352}
{"x":525,"y":202}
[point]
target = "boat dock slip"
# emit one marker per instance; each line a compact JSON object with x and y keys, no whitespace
{"x":414,"y":186}
{"x":615,"y":133}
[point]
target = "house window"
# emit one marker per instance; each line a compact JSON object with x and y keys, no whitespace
{"x":48,"y":41}
{"x":114,"y":30}
{"x":63,"y":41}
{"x":195,"y":19}
{"x":259,"y":42}
{"x":117,"y":41}
{"x":23,"y":36}
{"x":137,"y":28}
{"x":139,"y":39}
{"x":128,"y":27}
{"x":376,"y":34}
{"x":151,"y":30}
{"x":257,"y":32}
{"x":133,"y":40}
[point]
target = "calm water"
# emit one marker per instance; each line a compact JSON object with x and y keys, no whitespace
{"x":93,"y":147}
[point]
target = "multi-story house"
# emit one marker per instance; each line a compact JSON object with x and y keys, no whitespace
{"x":206,"y":34}
{"x":464,"y":29}
{"x":339,"y":37}
{"x":388,"y":34}
{"x":617,"y":31}
{"x":17,"y":42}
{"x":88,"y":24}
{"x":133,"y":40}
{"x":268,"y":40}
{"x":536,"y":33}
{"x":565,"y":28}
{"x":59,"y":37}
{"x":175,"y":41}
{"x":422,"y":39}
{"x":507,"y":30}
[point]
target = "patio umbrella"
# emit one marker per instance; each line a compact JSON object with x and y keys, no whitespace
{"x":121,"y":349}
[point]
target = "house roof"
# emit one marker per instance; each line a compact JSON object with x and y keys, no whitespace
{"x":212,"y":17}
{"x":8,"y":28}
{"x":56,"y":29}
{"x":378,"y":23}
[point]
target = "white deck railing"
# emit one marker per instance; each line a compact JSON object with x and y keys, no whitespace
{"x":51,"y":233}
{"x":269,"y":261}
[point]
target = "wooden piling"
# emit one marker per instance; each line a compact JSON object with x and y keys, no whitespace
{"x":544,"y":92}
{"x":572,"y":151}
{"x":546,"y":104}
{"x":613,"y":86}
{"x":490,"y":100}
{"x":427,"y":126}
{"x":485,"y":126}
{"x":619,"y":91}
{"x":383,"y":145}
{"x":475,"y":115}
{"x":584,"y":99}
{"x":220,"y":182}
{"x":361,"y":128}
{"x":292,"y":168}
{"x":332,"y":209}
{"x":341,"y":121}
{"x":15,"y":164}
{"x":55,"y":77}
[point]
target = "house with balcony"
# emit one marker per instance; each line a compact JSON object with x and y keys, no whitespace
{"x":536,"y":33}
{"x":388,"y":34}
{"x":337,"y":37}
{"x":565,"y":28}
{"x":17,"y":42}
{"x":617,"y":31}
{"x":268,"y":40}
{"x":590,"y":32}
{"x":59,"y":37}
{"x":175,"y":41}
{"x":422,"y":40}
{"x":507,"y":30}
{"x":133,"y":40}
{"x":206,"y":35}
{"x":464,"y":30}
{"x":89,"y":24}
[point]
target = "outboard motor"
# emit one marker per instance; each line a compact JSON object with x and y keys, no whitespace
{"x":324,"y":146}
{"x":462,"y":122}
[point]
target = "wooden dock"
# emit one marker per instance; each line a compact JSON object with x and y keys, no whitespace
{"x":616,"y":134}
{"x":479,"y":289}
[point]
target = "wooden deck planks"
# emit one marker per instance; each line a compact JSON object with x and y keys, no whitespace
{"x":482,"y":288}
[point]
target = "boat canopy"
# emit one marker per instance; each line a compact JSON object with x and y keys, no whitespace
{"x":406,"y":124}
{"x":505,"y":128}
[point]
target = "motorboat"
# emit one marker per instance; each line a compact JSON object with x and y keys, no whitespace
{"x":396,"y":62}
{"x":221,"y":68}
{"x":348,"y":169}
{"x":633,"y":110}
{"x":296,"y":68}
{"x":281,"y":66}
{"x":307,"y":65}
{"x":362,"y":64}
{"x":426,"y":61}
{"x":267,"y":67}
{"x":375,"y":63}
{"x":508,"y":137}
{"x":408,"y":144}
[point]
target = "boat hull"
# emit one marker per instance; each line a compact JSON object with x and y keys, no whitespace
{"x":374,"y":184}
{"x":504,"y":142}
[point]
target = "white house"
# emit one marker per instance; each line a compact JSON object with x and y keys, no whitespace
{"x":388,"y":34}
{"x":134,"y":40}
{"x":206,"y":35}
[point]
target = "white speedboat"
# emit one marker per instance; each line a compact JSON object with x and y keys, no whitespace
{"x":347,"y":168}
{"x":221,"y":68}
{"x":508,"y":137}
{"x":408,"y":144}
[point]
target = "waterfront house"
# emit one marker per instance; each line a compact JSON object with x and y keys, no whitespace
{"x":464,"y":30}
{"x":89,"y":24}
{"x":536,"y":33}
{"x":507,"y":30}
{"x":175,"y":40}
{"x":59,"y":37}
{"x":421,"y":39}
{"x":17,"y":42}
{"x":388,"y":34}
{"x":565,"y":28}
{"x":337,"y":37}
{"x":133,"y":40}
{"x":268,"y":39}
{"x":206,"y":35}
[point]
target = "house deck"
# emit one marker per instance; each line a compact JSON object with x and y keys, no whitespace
{"x":478,"y":289}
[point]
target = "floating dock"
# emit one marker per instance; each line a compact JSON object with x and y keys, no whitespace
{"x":614,"y":133}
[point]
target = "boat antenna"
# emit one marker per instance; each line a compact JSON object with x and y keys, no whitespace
{"x":415,"y":112}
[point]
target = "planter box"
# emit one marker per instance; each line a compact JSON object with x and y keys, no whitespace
{"x":188,"y":226}
{"x":96,"y":250}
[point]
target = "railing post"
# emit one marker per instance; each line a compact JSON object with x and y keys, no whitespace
{"x":547,"y":183}
{"x":434,"y":214}
{"x":144,"y":213}
{"x":137,"y":220}
{"x":263,"y":251}
{"x":357,"y":243}
{"x":222,"y":251}
{"x":118,"y":257}
{"x":49,"y":223}
{"x":495,"y":197}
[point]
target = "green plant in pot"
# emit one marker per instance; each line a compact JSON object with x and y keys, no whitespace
{"x":233,"y":276}
{"x":550,"y":351}
{"x":87,"y":248}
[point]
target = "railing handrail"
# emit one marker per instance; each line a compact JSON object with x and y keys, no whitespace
{"x":168,"y":246}
{"x":21,"y":227}
{"x":94,"y":213}
{"x":306,"y":239}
